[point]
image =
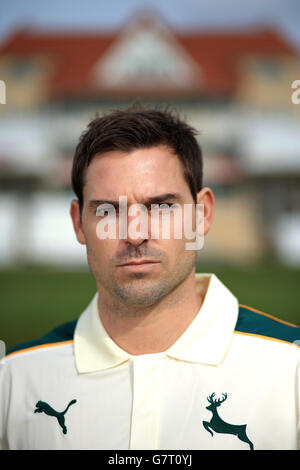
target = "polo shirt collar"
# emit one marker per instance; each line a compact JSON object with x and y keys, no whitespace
{"x":205,"y":341}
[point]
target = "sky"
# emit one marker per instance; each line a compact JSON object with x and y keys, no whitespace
{"x":180,"y":14}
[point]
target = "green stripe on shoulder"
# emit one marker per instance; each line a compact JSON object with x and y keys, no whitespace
{"x":59,"y":334}
{"x":250,"y":321}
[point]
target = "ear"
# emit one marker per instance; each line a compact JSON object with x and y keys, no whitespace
{"x":76,"y":219}
{"x":207,"y":199}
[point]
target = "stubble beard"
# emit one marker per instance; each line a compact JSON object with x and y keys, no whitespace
{"x":140,"y":292}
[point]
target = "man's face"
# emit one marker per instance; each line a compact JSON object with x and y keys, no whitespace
{"x":145,"y":176}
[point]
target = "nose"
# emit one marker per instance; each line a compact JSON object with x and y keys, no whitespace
{"x":137,"y":230}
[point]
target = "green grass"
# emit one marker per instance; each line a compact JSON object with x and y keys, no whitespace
{"x":35,"y":300}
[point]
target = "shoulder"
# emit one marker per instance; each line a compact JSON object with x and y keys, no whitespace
{"x":255,"y":322}
{"x":60,"y":335}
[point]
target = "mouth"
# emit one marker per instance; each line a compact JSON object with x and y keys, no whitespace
{"x":140,"y":261}
{"x":140,"y":264}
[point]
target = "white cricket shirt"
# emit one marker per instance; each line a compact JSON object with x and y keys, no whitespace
{"x":231,"y":381}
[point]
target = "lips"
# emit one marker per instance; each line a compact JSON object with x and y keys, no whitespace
{"x":137,"y":263}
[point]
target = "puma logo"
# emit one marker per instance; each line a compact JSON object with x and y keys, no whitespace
{"x":43,"y":407}
{"x":218,"y":425}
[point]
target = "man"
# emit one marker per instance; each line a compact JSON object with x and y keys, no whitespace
{"x":162,"y":358}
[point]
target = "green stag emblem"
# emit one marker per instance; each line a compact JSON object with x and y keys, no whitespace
{"x":43,"y":407}
{"x":218,"y":425}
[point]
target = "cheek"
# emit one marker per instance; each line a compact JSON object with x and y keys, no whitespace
{"x":173,"y":249}
{"x":102,"y":249}
{"x":178,"y":227}
{"x":100,"y":254}
{"x":166,"y":225}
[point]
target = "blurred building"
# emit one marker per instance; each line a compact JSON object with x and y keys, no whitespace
{"x":235,"y":87}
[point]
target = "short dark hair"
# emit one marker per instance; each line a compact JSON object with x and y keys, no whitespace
{"x":135,"y":128}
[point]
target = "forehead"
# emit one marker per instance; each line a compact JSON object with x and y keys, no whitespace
{"x":141,"y":171}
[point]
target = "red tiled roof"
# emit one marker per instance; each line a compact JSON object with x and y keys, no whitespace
{"x":75,"y":54}
{"x":218,"y":53}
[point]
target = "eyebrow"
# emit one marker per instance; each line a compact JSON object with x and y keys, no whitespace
{"x":159,"y":199}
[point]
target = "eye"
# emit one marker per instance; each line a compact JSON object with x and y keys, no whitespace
{"x":110,"y":211}
{"x":161,"y":207}
{"x":164,"y":207}
{"x":106,"y":209}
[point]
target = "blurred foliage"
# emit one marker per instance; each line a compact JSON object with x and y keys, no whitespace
{"x":35,"y":300}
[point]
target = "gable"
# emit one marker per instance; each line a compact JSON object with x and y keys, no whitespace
{"x":146,"y":56}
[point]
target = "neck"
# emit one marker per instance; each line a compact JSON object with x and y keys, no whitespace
{"x":154,"y":328}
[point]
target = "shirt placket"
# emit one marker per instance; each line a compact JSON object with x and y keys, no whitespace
{"x":145,"y":405}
